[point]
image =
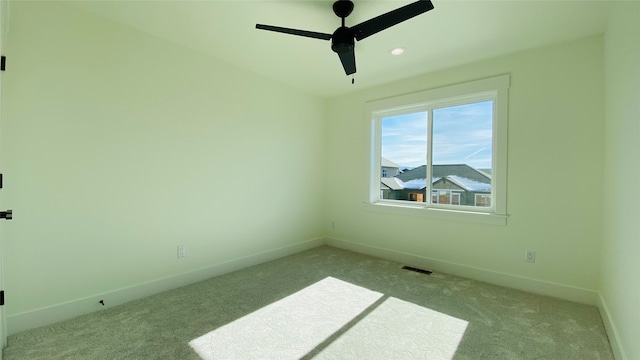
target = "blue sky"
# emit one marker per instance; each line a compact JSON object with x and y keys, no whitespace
{"x":461,"y":135}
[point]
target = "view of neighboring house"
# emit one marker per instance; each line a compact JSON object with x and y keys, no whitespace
{"x":454,"y":184}
{"x":390,"y":187}
{"x":389,"y":168}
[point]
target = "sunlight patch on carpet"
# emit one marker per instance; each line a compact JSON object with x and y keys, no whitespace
{"x":397,"y":329}
{"x":288,"y":328}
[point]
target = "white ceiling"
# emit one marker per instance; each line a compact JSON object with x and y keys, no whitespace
{"x":454,"y":33}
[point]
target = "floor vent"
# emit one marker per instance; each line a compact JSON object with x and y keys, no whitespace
{"x":421,"y":271}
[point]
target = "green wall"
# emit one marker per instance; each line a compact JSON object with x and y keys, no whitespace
{"x":555,"y":171}
{"x":620,"y":285}
{"x":118,"y":146}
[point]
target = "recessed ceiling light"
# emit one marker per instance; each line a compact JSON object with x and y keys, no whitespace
{"x":397,"y":51}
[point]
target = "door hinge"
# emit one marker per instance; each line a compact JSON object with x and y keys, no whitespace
{"x":8,"y":215}
{"x":1,"y":297}
{"x":3,"y":63}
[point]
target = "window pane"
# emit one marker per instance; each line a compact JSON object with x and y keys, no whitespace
{"x":404,"y":148}
{"x":462,"y":153}
{"x":455,"y":198}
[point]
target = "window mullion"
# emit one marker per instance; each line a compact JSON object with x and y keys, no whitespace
{"x":429,"y":155}
{"x":376,"y":125}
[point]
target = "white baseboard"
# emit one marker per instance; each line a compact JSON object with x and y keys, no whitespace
{"x":584,"y":296}
{"x":51,"y":314}
{"x":612,"y":331}
{"x":28,"y":320}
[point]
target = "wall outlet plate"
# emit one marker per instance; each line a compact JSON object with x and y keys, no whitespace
{"x":182,"y":251}
{"x":530,"y":256}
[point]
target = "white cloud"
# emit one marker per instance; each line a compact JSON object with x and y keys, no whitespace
{"x":461,"y":134}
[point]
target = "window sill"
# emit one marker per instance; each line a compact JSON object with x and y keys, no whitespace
{"x":442,"y":214}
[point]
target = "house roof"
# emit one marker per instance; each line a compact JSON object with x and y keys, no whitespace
{"x":440,"y":171}
{"x":462,"y":175}
{"x":415,"y":184}
{"x":421,"y":184}
{"x":392,"y":183}
{"x":467,"y":184}
{"x":384,"y":162}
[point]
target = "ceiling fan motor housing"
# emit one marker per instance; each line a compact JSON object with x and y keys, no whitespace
{"x":342,"y":40}
{"x":343,"y":8}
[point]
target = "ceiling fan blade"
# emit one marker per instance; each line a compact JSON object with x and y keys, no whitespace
{"x":387,"y":20}
{"x":348,"y":60}
{"x":311,"y":34}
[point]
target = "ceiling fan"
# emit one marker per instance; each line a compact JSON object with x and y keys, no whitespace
{"x":343,"y":39}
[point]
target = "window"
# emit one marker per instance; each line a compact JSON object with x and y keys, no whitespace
{"x":483,"y":200}
{"x":452,"y":143}
{"x":445,"y":197}
{"x":455,"y":198}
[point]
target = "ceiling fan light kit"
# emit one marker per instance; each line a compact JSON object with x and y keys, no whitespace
{"x":343,"y":38}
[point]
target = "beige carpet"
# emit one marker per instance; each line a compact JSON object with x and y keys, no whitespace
{"x":327,"y":303}
{"x":288,"y":328}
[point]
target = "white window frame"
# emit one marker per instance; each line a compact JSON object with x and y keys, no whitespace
{"x":495,"y":89}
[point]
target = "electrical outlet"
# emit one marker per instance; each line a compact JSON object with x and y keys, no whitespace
{"x":182,"y":251}
{"x":333,"y":224}
{"x":530,"y":256}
